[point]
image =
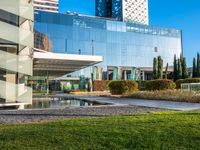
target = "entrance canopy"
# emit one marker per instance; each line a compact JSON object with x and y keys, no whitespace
{"x":60,"y":63}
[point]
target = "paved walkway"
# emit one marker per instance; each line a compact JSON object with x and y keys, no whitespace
{"x":141,"y":102}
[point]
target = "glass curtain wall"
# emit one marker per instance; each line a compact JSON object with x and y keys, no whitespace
{"x":121,"y":44}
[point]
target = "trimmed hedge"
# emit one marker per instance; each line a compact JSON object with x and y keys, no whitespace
{"x":122,"y":87}
{"x":189,"y":80}
{"x":132,"y":86}
{"x":101,"y":85}
{"x":154,"y":85}
{"x":142,"y":85}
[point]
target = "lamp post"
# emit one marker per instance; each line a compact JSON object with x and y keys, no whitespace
{"x":92,"y":47}
{"x":79,"y":51}
{"x":66,"y":45}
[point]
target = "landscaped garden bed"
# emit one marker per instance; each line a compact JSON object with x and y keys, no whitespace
{"x":168,"y":95}
{"x":152,"y":90}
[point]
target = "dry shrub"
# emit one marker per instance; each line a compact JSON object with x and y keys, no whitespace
{"x":101,"y":85}
{"x":169,"y":95}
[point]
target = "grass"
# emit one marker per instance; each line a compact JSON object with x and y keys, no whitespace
{"x":149,"y":131}
{"x":169,"y":95}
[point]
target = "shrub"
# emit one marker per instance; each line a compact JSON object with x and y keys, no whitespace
{"x":122,"y":87}
{"x":132,"y":86}
{"x":167,"y":95}
{"x":142,"y":85}
{"x":117,"y":87}
{"x":189,"y":80}
{"x":101,"y":85}
{"x":160,"y":85}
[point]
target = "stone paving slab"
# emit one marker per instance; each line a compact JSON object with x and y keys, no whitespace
{"x":181,"y":106}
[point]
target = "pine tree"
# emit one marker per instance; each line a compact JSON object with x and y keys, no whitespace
{"x":194,"y":68}
{"x":198,"y":66}
{"x":155,"y":67}
{"x":184,"y":69}
{"x":175,"y":68}
{"x":181,"y":58}
{"x":179,"y":69}
{"x":160,"y":67}
{"x":166,"y":70}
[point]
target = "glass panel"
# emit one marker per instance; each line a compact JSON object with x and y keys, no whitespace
{"x":15,"y":63}
{"x":19,"y":35}
{"x":20,"y":93}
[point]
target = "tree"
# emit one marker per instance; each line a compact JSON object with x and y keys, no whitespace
{"x":179,"y":69}
{"x":194,"y":68}
{"x":198,"y":66}
{"x":166,"y":70}
{"x":160,"y":67}
{"x":181,"y":58}
{"x":155,"y":67}
{"x":175,"y":69}
{"x":184,"y":69}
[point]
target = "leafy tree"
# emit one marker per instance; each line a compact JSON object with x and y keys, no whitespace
{"x":155,"y":67}
{"x":184,"y":69}
{"x":175,"y":69}
{"x":160,"y":67}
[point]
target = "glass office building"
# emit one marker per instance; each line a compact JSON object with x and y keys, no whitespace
{"x":46,"y":5}
{"x":123,"y":10}
{"x":124,"y":46}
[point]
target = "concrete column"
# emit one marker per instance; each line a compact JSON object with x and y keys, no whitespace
{"x":107,"y":74}
{"x":99,"y":73}
{"x":125,"y":75}
{"x":133,"y":74}
{"x":47,"y":82}
{"x":115,"y":73}
{"x":94,"y":71}
{"x":143,"y":75}
{"x":138,"y":74}
{"x":10,"y":90}
{"x":119,"y":73}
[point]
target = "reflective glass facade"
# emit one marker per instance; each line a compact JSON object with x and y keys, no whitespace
{"x":121,"y":44}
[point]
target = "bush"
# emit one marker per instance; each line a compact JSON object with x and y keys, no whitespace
{"x":122,"y":87}
{"x":132,"y":86}
{"x":142,"y":85}
{"x":160,"y":85}
{"x":189,"y":80}
{"x":167,"y":95}
{"x":117,"y":87}
{"x":101,"y":85}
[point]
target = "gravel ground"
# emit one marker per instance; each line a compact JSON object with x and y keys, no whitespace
{"x":28,"y":116}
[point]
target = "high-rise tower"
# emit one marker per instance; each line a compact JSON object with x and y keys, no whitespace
{"x":46,"y":5}
{"x":124,"y":10}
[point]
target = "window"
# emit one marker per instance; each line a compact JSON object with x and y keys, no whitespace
{"x":9,"y":18}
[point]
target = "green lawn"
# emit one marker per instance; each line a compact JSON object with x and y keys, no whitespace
{"x":150,"y":131}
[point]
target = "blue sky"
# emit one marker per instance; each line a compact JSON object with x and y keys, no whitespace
{"x":180,"y":14}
